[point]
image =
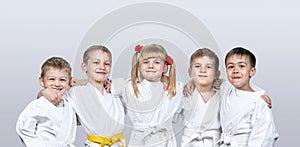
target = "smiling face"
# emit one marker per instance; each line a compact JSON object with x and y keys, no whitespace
{"x":56,"y":79}
{"x":97,"y":66}
{"x":152,"y":69}
{"x":239,"y":71}
{"x":203,"y":71}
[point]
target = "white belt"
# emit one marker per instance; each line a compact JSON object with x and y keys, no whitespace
{"x":200,"y":136}
{"x":233,"y":140}
{"x":149,"y":132}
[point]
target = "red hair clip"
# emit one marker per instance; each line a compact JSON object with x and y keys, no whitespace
{"x":138,"y":48}
{"x":169,"y":60}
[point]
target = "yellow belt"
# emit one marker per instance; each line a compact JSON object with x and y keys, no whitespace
{"x":106,"y":140}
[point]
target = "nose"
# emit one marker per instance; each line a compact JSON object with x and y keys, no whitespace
{"x":57,"y":83}
{"x":101,"y":65}
{"x":202,"y":70}
{"x":150,"y":65}
{"x":235,"y":70}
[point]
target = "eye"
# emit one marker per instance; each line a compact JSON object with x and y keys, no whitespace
{"x":145,"y":62}
{"x":95,"y":62}
{"x":157,"y":62}
{"x":230,"y":67}
{"x":107,"y":64}
{"x":51,"y":79}
{"x":63,"y":80}
{"x":242,"y":66}
{"x":209,"y":66}
{"x":197,"y":66}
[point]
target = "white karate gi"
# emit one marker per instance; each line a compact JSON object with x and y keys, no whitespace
{"x":201,"y":121}
{"x":151,"y":113}
{"x":43,"y":124}
{"x":101,"y":115}
{"x":246,"y":119}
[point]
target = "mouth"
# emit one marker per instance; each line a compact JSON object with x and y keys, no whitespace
{"x":151,"y":71}
{"x":57,"y":89}
{"x":100,"y":72}
{"x":202,"y":76}
{"x":236,"y":78}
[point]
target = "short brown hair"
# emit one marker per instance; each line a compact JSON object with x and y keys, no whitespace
{"x":205,"y":52}
{"x":58,"y":63}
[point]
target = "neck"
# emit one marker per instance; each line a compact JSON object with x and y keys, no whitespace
{"x":206,"y":92}
{"x":98,"y":85}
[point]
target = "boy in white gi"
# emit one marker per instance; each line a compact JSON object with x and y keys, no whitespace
{"x":43,"y":124}
{"x":246,"y":119}
{"x":201,"y":109}
{"x":101,"y":114}
{"x":149,"y":107}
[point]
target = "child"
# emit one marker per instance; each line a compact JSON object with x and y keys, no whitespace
{"x":201,"y":110}
{"x":43,"y":124}
{"x":245,"y":118}
{"x":149,"y":107}
{"x":101,"y":114}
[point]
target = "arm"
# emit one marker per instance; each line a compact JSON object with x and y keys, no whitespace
{"x":26,"y":124}
{"x":267,"y":99}
{"x":82,"y":82}
{"x":263,"y":131}
{"x":118,"y":87}
{"x":189,"y":88}
{"x":51,"y":96}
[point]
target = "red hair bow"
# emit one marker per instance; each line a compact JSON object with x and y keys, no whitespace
{"x":169,"y":60}
{"x":138,"y":48}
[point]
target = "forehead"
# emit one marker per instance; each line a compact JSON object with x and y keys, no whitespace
{"x":203,"y":59}
{"x":57,"y":72}
{"x":99,"y":54}
{"x":237,"y":58}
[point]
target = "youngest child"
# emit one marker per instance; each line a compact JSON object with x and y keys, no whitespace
{"x":43,"y":124}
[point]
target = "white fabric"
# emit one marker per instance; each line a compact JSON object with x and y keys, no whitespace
{"x":151,"y":113}
{"x":245,"y":118}
{"x":43,"y":124}
{"x":101,"y":115}
{"x":201,"y":121}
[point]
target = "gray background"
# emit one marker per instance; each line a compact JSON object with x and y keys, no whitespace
{"x":32,"y":31}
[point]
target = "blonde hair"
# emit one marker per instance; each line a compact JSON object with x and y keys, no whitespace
{"x":56,"y":63}
{"x":152,"y":51}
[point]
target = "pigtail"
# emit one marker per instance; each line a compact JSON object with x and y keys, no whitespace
{"x":172,"y":80}
{"x":134,"y":70}
{"x":134,"y":74}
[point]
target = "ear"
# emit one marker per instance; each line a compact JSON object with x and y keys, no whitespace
{"x":41,"y":81}
{"x":217,"y":75}
{"x":252,"y":71}
{"x":83,"y":67}
{"x":190,"y":72}
{"x":71,"y":81}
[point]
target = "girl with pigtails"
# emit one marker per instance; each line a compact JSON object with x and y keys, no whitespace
{"x":150,"y":107}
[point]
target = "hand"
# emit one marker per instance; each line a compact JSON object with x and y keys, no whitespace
{"x":165,"y":79}
{"x":189,"y":88}
{"x":267,"y":99}
{"x":107,"y":85}
{"x":217,"y":83}
{"x":51,"y":96}
{"x":79,"y":82}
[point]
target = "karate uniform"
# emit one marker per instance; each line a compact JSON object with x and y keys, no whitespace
{"x":151,"y":113}
{"x":102,"y":115}
{"x":201,"y":121}
{"x":43,"y":124}
{"x":246,"y":119}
